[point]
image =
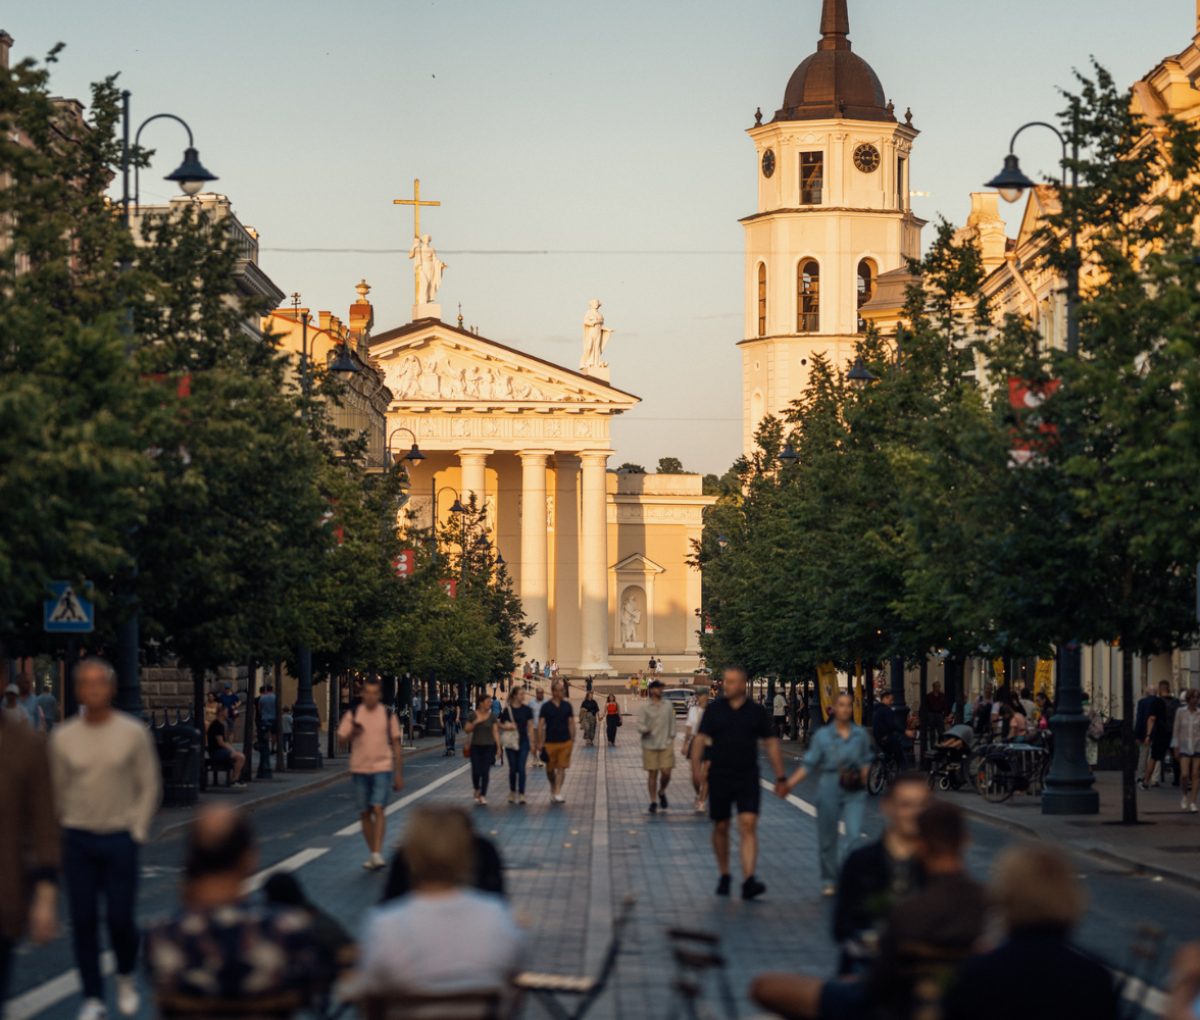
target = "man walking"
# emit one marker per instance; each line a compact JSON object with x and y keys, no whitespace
{"x":539,"y":699}
{"x":779,"y":711}
{"x":373,"y":733}
{"x":220,"y":749}
{"x":656,"y":724}
{"x":107,"y":786}
{"x":28,"y":701}
{"x":933,"y":714}
{"x":690,"y":733}
{"x":556,"y":736}
{"x":731,"y":727}
{"x":1155,"y":737}
{"x":268,"y":706}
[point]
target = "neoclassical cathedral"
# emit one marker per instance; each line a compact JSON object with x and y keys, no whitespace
{"x":833,"y":215}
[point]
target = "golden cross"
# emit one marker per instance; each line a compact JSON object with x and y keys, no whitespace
{"x":416,"y":203}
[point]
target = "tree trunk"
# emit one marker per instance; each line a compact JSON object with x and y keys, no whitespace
{"x":280,"y":757}
{"x":1129,"y":748}
{"x":251,"y":727}
{"x":922,"y":715}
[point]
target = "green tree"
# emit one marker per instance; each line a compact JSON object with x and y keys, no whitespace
{"x":670,"y":466}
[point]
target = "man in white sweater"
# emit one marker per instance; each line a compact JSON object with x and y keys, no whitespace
{"x":107,"y":786}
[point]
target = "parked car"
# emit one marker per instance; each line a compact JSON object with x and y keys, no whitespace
{"x":679,"y":697}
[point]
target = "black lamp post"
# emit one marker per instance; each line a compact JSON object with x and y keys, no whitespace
{"x":860,"y":376}
{"x":306,"y":720}
{"x":1070,"y":786}
{"x":788,"y":456}
{"x":190,"y":177}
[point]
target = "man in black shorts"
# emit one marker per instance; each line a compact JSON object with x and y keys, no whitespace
{"x":732,"y":726}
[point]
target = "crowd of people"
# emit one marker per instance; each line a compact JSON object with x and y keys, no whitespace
{"x":913,"y":927}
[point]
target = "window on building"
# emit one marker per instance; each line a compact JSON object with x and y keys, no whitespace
{"x":866,"y":288}
{"x":812,"y":177}
{"x":901,"y":185}
{"x":762,"y":299}
{"x":808,"y":296}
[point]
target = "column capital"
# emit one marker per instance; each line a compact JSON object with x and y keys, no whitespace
{"x":535,"y":456}
{"x":594,"y":458}
{"x":474,"y":456}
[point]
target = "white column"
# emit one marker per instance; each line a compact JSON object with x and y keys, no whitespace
{"x":566,"y":567}
{"x":474,"y":475}
{"x":534,"y":580}
{"x":593,"y":565}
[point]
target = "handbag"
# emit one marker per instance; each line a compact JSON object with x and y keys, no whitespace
{"x":510,"y":740}
{"x":849,"y":780}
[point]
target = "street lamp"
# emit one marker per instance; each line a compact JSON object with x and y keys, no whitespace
{"x":413,"y":455}
{"x":722,"y":542}
{"x":860,"y":376}
{"x":788,"y":456}
{"x":190,"y":176}
{"x":1070,"y":786}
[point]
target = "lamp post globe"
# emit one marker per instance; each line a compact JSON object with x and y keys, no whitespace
{"x":1011,"y":182}
{"x":191,"y":175}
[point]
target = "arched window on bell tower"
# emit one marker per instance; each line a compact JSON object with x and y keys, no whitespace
{"x":808,"y":296}
{"x":762,"y":299}
{"x":866,"y":288}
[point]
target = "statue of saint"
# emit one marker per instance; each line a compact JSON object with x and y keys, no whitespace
{"x":428,"y":266}
{"x":631,"y":616}
{"x":595,"y":337}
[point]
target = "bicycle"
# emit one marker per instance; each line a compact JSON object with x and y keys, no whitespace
{"x":1010,"y":768}
{"x":883,"y":772}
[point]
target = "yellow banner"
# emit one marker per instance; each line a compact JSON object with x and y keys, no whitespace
{"x":858,"y":691}
{"x":998,"y":668}
{"x":1043,"y":678}
{"x":828,"y":686}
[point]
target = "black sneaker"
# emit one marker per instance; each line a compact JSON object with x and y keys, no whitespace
{"x":752,"y":887}
{"x":653,"y":807}
{"x":662,"y":801}
{"x":723,"y":886}
{"x":1141,"y":784}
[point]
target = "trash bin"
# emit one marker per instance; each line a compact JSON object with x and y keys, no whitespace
{"x":179,"y":752}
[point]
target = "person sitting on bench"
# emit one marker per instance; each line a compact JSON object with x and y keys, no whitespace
{"x":221,"y":750}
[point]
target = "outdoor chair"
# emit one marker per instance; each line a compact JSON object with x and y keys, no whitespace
{"x":695,"y":954}
{"x":275,"y":1006}
{"x":553,"y":991}
{"x":486,"y":1005}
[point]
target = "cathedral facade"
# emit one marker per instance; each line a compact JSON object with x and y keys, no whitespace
{"x":833,"y":215}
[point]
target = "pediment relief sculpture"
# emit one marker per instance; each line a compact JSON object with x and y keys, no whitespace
{"x":433,"y":375}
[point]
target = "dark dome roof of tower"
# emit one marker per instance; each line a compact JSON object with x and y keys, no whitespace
{"x":834,"y":82}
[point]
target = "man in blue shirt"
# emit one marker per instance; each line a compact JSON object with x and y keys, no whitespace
{"x":889,"y":733}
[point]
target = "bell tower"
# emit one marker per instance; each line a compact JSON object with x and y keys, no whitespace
{"x":833,"y":213}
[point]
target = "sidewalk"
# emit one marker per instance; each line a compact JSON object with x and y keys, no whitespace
{"x":261,"y":792}
{"x":1166,"y":841}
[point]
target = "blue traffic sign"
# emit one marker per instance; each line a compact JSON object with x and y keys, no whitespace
{"x":68,"y":613}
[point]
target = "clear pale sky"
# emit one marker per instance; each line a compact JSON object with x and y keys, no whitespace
{"x":610,"y":134}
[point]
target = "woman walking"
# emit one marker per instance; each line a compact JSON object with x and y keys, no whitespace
{"x":482,"y":728}
{"x":1185,"y":743}
{"x":612,"y":719}
{"x":840,"y":753}
{"x":450,"y":724}
{"x":588,"y":711}
{"x":516,"y":732}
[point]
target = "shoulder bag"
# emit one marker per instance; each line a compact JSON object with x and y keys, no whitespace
{"x":849,"y":780}
{"x":510,"y":740}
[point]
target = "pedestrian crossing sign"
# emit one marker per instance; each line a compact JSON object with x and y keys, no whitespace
{"x":68,"y":613}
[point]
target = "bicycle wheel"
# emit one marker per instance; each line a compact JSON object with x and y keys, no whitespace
{"x":995,"y":780}
{"x":876,"y":778}
{"x":972,"y":767}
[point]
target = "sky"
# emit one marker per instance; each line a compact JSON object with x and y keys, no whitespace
{"x":579,"y":149}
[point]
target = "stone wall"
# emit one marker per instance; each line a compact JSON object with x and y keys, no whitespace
{"x":171,"y":686}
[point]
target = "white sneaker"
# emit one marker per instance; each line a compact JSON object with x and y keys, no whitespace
{"x":128,"y":998}
{"x":378,"y":861}
{"x":93,"y":1009}
{"x":1192,"y":807}
{"x":560,"y":799}
{"x":1183,"y":803}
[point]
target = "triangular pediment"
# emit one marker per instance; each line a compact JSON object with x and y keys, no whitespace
{"x":434,"y":365}
{"x":638,"y":564}
{"x":1042,"y":202}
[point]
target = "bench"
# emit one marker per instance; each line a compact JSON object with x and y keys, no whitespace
{"x":215,"y":766}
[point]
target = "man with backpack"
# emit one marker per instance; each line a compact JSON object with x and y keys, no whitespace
{"x":375,"y":764}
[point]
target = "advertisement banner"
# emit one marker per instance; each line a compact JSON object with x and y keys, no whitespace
{"x":827,"y":684}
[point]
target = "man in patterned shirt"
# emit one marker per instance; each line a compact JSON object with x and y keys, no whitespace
{"x":219,"y":946}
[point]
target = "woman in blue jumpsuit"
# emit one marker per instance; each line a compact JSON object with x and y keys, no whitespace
{"x":840,"y":754}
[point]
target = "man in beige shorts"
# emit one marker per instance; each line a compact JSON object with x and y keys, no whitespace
{"x":556,"y":737}
{"x":656,"y":724}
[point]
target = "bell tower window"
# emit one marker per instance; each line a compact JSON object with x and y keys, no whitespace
{"x":762,"y":299}
{"x":866,"y":288}
{"x":808,"y":296}
{"x":812,"y":177}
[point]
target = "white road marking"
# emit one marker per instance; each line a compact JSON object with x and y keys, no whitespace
{"x":52,"y":992}
{"x":297,"y":860}
{"x":403,"y":802}
{"x":803,"y":805}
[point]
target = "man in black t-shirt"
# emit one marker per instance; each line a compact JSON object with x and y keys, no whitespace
{"x":731,"y":727}
{"x":220,"y":749}
{"x":556,"y":736}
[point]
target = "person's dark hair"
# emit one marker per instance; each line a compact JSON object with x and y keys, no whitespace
{"x":481,"y":699}
{"x":283,"y":889}
{"x":611,"y":697}
{"x":371,"y":681}
{"x":942,"y":829}
{"x":907,"y":776}
{"x":745,"y":673}
{"x":219,"y":851}
{"x":886,"y":693}
{"x":1025,"y":693}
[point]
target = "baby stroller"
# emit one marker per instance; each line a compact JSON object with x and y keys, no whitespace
{"x":947,"y":760}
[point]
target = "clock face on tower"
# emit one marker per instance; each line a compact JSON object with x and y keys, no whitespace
{"x":768,"y":162}
{"x":866,"y":158}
